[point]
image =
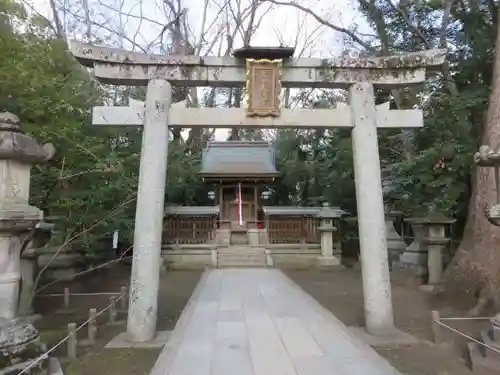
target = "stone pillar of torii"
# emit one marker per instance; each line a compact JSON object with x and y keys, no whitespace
{"x":264,"y":71}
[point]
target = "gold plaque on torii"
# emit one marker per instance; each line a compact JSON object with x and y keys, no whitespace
{"x":263,"y":86}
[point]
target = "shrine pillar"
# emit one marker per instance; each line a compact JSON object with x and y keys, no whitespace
{"x":372,"y":232}
{"x":145,"y":278}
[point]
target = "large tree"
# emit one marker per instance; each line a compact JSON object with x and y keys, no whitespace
{"x":476,"y":265}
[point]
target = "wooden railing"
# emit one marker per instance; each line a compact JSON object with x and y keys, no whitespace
{"x":192,"y":230}
{"x":189,"y":230}
{"x":292,"y":229}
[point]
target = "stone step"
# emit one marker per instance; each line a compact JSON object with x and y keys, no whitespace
{"x":243,"y":247}
{"x":246,"y":252}
{"x":241,"y":265}
{"x":241,"y":259}
{"x":246,"y":264}
{"x":236,"y":255}
{"x":241,"y":256}
{"x":241,"y":252}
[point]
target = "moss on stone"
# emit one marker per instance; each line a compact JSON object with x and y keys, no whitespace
{"x":28,"y":353}
{"x":406,"y":61}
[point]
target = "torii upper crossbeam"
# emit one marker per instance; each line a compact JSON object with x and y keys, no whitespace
{"x":119,"y":67}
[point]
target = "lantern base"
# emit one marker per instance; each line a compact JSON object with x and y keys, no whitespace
{"x":19,"y":346}
{"x":327,"y":261}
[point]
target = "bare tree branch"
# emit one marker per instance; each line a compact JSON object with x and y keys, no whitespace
{"x":199,"y":43}
{"x":86,"y":9}
{"x":131,"y":15}
{"x":61,"y":34}
{"x":49,"y":22}
{"x":324,"y":22}
{"x":108,"y":28}
{"x":414,"y":29}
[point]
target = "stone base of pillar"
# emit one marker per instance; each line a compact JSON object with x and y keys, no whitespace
{"x":19,"y":346}
{"x":122,"y":341}
{"x":392,"y":337}
{"x":428,"y":288}
{"x":328,"y":261}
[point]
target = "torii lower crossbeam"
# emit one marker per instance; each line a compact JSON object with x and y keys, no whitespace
{"x":230,"y":117}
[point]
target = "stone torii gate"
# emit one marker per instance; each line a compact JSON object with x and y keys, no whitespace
{"x":264,"y":77}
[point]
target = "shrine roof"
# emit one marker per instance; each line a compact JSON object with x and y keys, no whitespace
{"x":239,"y":159}
{"x":299,"y":211}
{"x":192,"y":210}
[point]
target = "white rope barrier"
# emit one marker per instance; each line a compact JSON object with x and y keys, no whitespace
{"x":467,"y":318}
{"x":84,"y":272}
{"x":67,"y":298}
{"x":467,"y":336}
{"x":91,"y":318}
{"x":80,"y":294}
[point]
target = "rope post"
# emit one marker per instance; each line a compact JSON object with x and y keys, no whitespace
{"x":495,"y":331}
{"x":112,"y":310}
{"x":66,"y":297}
{"x":436,"y":327}
{"x":72,"y":341}
{"x":123,"y":300}
{"x":66,"y":303}
{"x":92,"y":327}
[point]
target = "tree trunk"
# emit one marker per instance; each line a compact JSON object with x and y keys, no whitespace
{"x":236,"y":102}
{"x":476,"y":265}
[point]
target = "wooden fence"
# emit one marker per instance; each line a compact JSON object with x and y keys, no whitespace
{"x":196,"y":230}
{"x":292,"y":229}
{"x":189,"y":230}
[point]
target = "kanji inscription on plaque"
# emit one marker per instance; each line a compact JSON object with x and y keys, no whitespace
{"x":263,"y":85}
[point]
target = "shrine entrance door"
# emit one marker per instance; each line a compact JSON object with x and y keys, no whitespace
{"x":230,"y":209}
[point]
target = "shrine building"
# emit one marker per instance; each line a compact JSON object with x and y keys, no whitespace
{"x":242,"y":174}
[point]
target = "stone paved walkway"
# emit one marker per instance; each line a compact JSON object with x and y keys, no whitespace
{"x":259,"y":322}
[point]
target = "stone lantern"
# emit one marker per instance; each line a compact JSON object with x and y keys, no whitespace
{"x":326,"y":228}
{"x":18,"y":152}
{"x":425,"y":254}
{"x":395,"y":244}
{"x":29,"y":265}
{"x":435,"y":240}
